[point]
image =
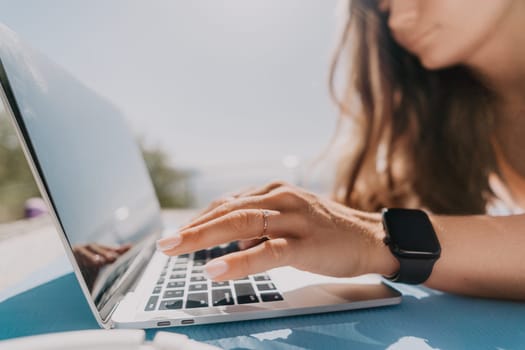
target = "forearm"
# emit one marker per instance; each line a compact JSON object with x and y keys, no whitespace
{"x":481,"y":256}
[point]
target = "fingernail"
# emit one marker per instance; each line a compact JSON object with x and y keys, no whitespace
{"x":215,"y":268}
{"x":168,"y":243}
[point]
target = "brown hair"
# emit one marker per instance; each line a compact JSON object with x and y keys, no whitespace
{"x":421,"y":138}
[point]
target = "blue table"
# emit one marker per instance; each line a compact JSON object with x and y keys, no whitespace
{"x":426,"y":319}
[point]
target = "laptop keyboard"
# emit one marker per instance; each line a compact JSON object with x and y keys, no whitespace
{"x":182,"y":284}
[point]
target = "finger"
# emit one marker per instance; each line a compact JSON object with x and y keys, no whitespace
{"x":234,"y":226}
{"x":123,"y":248}
{"x":248,"y":243}
{"x":265,"y":256}
{"x":264,"y":190}
{"x":278,"y":200}
{"x":107,"y":253}
{"x":249,"y":192}
{"x":227,"y":207}
{"x":224,"y":199}
{"x":91,"y":258}
{"x":214,"y":204}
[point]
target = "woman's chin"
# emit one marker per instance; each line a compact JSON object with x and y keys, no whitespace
{"x":435,"y":58}
{"x":433,"y":62}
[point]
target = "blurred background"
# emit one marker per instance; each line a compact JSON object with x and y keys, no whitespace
{"x":222,"y":94}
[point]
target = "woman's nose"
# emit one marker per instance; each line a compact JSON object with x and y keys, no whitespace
{"x":403,"y":15}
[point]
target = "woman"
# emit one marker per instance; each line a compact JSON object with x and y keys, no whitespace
{"x":436,"y":96}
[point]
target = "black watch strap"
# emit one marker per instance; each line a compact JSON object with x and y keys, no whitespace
{"x":412,"y":240}
{"x":412,"y":271}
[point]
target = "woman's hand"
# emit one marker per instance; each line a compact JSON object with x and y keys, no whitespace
{"x":97,"y":255}
{"x":302,"y":230}
{"x":92,"y":257}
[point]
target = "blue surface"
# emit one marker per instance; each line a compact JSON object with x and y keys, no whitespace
{"x":425,"y":321}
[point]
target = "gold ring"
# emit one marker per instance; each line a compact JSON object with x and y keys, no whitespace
{"x":265,"y":214}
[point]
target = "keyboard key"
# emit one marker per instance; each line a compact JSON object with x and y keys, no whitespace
{"x":247,"y":299}
{"x":152,"y":303}
{"x":197,"y":300}
{"x":221,"y":284}
{"x":178,"y":276}
{"x":222,"y":297}
{"x":176,"y":284}
{"x":184,"y":255}
{"x":198,"y":279}
{"x":160,"y":281}
{"x":173,"y":294}
{"x":198,"y":287}
{"x":265,"y":286}
{"x":261,"y":278}
{"x":271,"y":296}
{"x":201,"y":255}
{"x":171,"y":304}
{"x":242,"y":280}
{"x":157,"y":290}
{"x":245,"y":294}
{"x":231,"y":248}
{"x":199,"y":263}
{"x":197,"y":271}
{"x":216,"y":252}
{"x":163,"y":273}
{"x":178,"y":269}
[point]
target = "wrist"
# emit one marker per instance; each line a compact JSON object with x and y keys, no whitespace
{"x":389,"y":264}
{"x":382,"y":260}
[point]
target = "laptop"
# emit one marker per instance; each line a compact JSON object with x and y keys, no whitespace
{"x":91,"y":173}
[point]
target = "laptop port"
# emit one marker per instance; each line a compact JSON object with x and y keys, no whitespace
{"x":187,"y":321}
{"x":163,"y":323}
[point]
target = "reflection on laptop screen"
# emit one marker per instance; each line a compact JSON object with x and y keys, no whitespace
{"x":87,"y":160}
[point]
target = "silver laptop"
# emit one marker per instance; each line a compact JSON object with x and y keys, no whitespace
{"x":91,"y":173}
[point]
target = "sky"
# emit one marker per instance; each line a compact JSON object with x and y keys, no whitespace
{"x":210,"y":81}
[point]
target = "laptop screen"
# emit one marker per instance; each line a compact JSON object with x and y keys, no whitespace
{"x":89,"y":165}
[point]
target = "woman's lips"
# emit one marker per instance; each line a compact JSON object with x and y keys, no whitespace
{"x":415,"y":41}
{"x":412,"y":41}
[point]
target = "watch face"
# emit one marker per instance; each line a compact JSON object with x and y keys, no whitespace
{"x":410,"y":231}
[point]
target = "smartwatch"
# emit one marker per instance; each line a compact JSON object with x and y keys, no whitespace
{"x":413,"y":241}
